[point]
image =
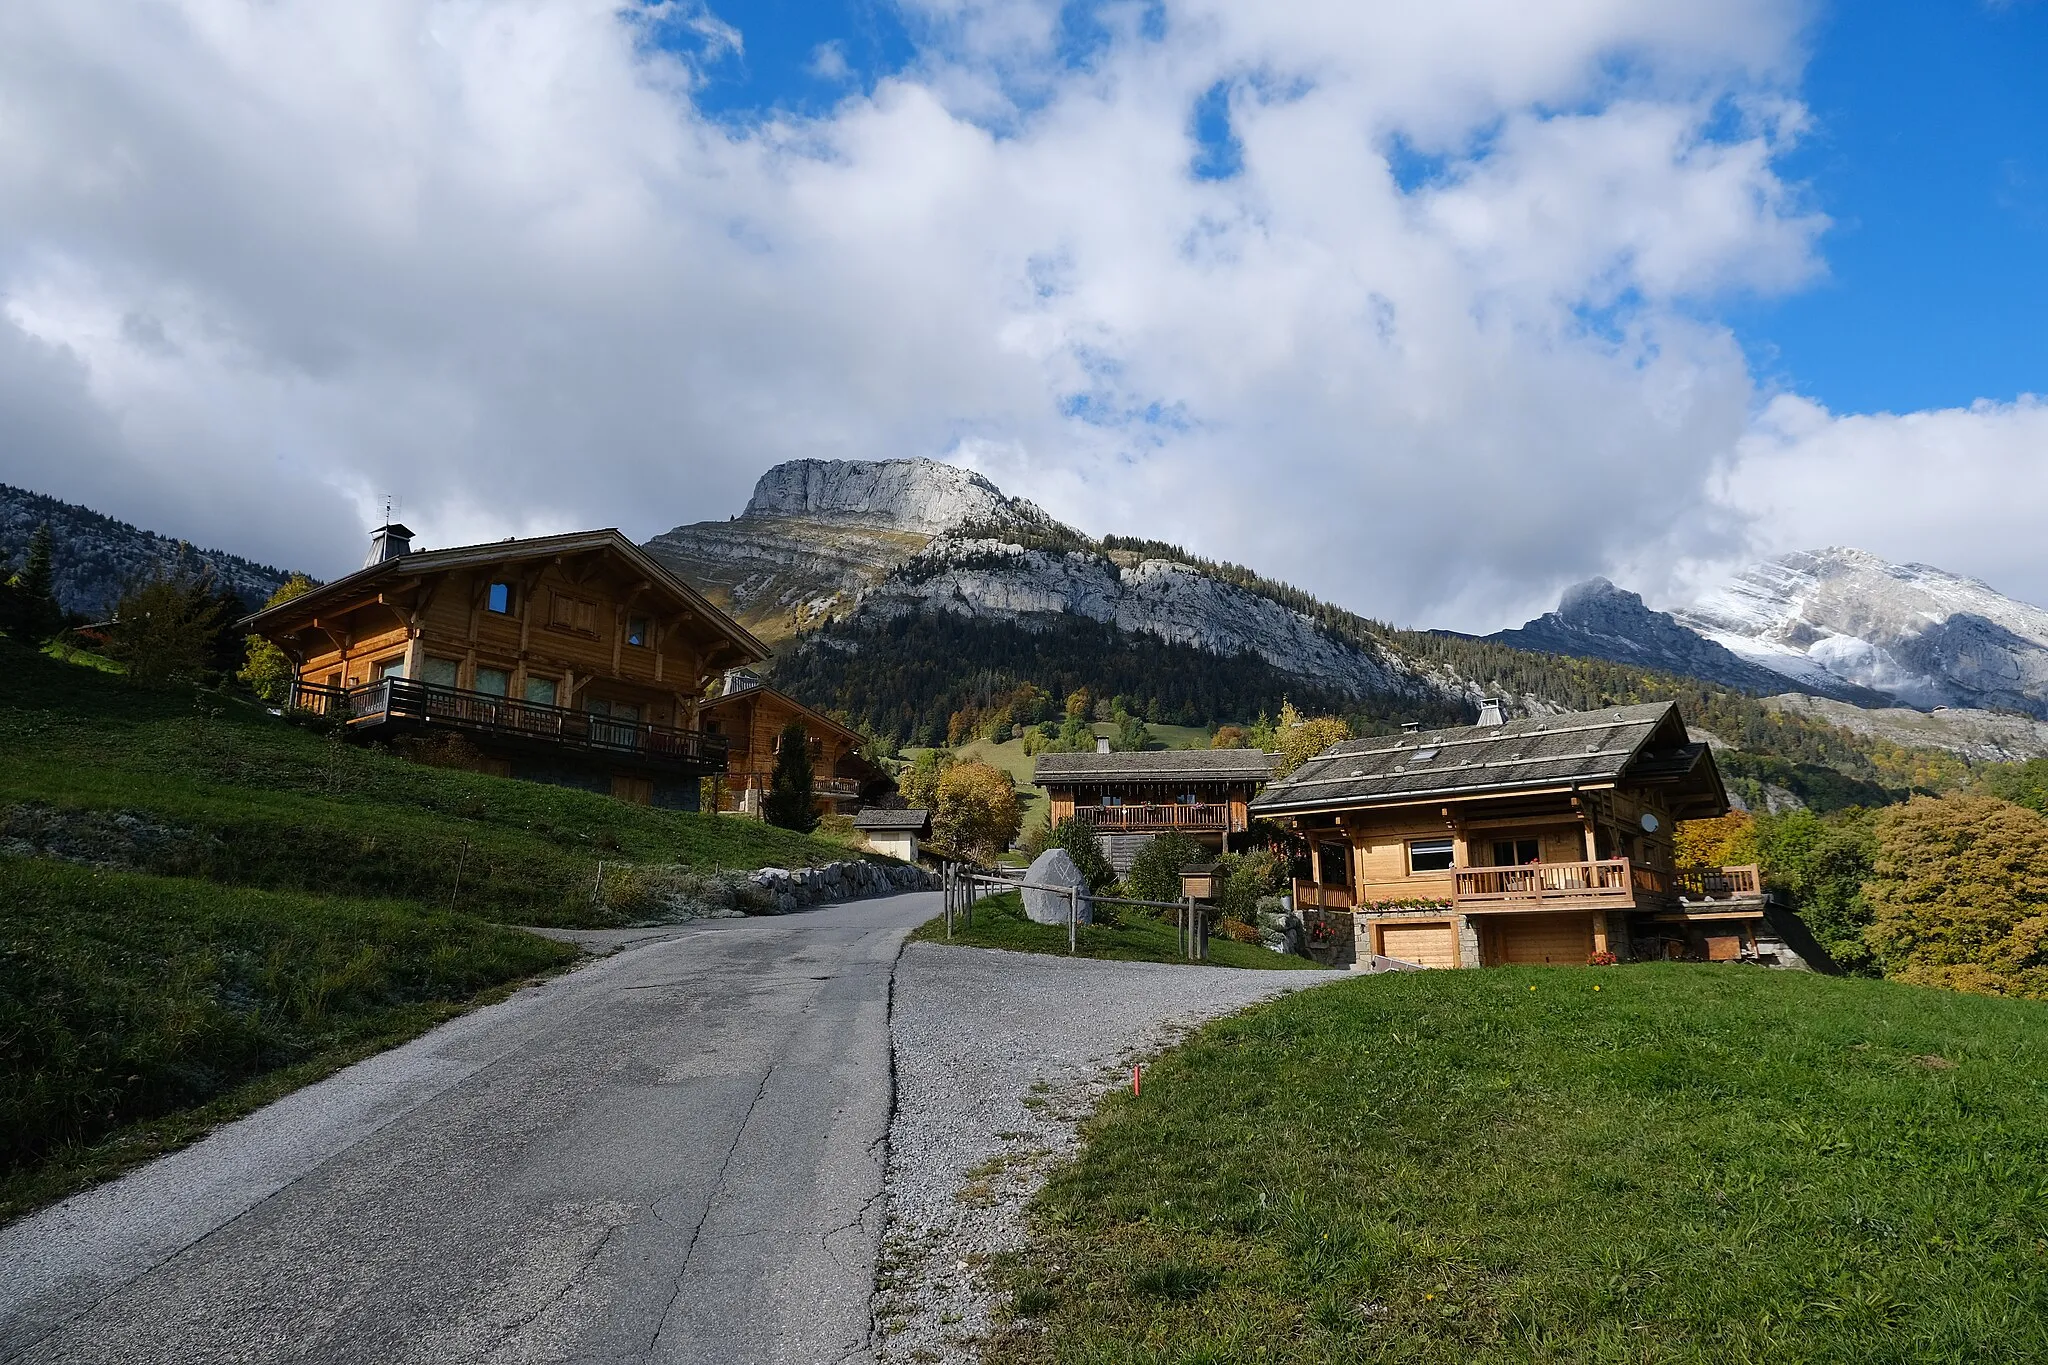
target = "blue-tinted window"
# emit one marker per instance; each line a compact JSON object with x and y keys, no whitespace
{"x":500,"y":598}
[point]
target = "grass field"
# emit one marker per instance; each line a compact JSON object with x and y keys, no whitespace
{"x":1637,"y":1164}
{"x":136,"y":1012}
{"x":267,"y":804}
{"x":1137,"y":936}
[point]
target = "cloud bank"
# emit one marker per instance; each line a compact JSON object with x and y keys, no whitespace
{"x":1413,"y":305}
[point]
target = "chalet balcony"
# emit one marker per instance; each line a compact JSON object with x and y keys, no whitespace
{"x":1152,"y":819}
{"x":402,"y":703}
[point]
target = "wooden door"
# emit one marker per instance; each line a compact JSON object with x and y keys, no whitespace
{"x":1539,"y":940}
{"x":1431,"y":944}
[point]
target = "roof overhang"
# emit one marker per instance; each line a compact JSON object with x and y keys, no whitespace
{"x":368,"y":585}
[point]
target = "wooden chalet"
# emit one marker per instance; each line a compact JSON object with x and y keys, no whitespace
{"x":750,"y":717}
{"x":570,"y":659}
{"x":1129,"y":797}
{"x":1523,"y":841}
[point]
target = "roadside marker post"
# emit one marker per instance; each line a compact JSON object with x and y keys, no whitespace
{"x":1135,"y":1080}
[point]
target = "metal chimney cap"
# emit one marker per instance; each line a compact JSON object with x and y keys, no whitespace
{"x":389,"y":541}
{"x":1490,"y":712}
{"x":1102,"y":744}
{"x":1411,"y":727}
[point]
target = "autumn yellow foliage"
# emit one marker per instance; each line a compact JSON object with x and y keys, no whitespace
{"x":1728,"y":841}
{"x":1960,"y":895}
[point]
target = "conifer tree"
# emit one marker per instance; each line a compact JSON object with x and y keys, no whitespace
{"x":30,"y":605}
{"x":791,"y":802}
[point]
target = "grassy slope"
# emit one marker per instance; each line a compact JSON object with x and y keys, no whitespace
{"x":136,"y":1012}
{"x":999,"y":922}
{"x":277,"y":806}
{"x":1657,"y":1163}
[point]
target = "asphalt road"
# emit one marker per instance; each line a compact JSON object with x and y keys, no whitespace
{"x":675,"y":1154}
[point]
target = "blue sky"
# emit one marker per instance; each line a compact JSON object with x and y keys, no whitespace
{"x":1930,"y":153}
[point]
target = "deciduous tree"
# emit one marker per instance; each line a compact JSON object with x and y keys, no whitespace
{"x":1960,"y":895}
{"x":266,"y":670}
{"x":977,"y":809}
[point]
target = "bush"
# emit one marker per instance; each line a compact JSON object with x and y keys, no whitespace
{"x":1155,"y":871}
{"x":1244,"y":879}
{"x":1082,"y":845}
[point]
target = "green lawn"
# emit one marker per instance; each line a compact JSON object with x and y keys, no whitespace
{"x":1639,"y":1164}
{"x":137,"y":1012}
{"x":268,"y":804}
{"x":1136,"y":936}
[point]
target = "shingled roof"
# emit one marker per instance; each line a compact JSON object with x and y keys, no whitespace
{"x":915,"y":819}
{"x":1642,"y":743}
{"x":1154,"y":765}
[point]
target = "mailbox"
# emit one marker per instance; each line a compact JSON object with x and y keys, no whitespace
{"x":1199,"y":882}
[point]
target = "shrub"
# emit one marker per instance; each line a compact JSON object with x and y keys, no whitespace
{"x":1081,"y":844}
{"x":1155,"y":871}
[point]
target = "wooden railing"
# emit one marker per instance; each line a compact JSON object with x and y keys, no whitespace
{"x":1308,"y":895}
{"x":1540,"y":883}
{"x":402,"y":699}
{"x":1164,"y":816}
{"x":1719,"y":883}
{"x":835,"y":786}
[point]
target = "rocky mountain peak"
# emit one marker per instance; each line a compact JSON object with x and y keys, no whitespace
{"x":1922,"y":634}
{"x":921,"y":496}
{"x":1597,"y":620}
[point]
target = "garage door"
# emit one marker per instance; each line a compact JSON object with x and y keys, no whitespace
{"x":1429,"y":944}
{"x":1539,"y":939}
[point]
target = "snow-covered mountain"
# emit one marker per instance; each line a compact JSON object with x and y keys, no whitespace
{"x":1597,"y":620}
{"x":97,"y":557}
{"x":1838,"y":616}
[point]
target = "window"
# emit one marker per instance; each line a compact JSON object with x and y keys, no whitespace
{"x":493,"y":682}
{"x":540,"y":691}
{"x":1430,"y":855}
{"x":639,"y":630}
{"x":1516,"y":852}
{"x":439,"y":672}
{"x":393,"y":667}
{"x":498,"y":598}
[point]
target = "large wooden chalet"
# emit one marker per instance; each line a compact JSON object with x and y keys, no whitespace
{"x":751,"y":716}
{"x":1521,"y":841}
{"x":571,"y":659}
{"x":1129,"y":797}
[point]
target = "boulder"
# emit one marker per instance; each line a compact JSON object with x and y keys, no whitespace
{"x":1055,"y":868}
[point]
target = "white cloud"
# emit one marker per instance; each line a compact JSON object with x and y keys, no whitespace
{"x":1960,"y":488}
{"x":263,"y":263}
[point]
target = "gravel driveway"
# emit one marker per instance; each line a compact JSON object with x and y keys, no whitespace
{"x":998,"y":1056}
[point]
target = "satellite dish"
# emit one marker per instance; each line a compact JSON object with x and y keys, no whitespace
{"x":1649,"y":823}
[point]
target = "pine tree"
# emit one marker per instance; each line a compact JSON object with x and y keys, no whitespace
{"x":31,"y":610}
{"x":791,"y":802}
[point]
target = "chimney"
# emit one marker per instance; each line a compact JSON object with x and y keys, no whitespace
{"x":1102,"y":744}
{"x":1411,"y":727}
{"x":1490,"y":712}
{"x":389,"y":541}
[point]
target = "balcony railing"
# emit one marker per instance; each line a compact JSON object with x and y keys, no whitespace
{"x":1614,"y":880}
{"x":1308,"y":895}
{"x":1719,"y":883}
{"x":405,"y":700}
{"x":1159,"y":817}
{"x":835,"y":786}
